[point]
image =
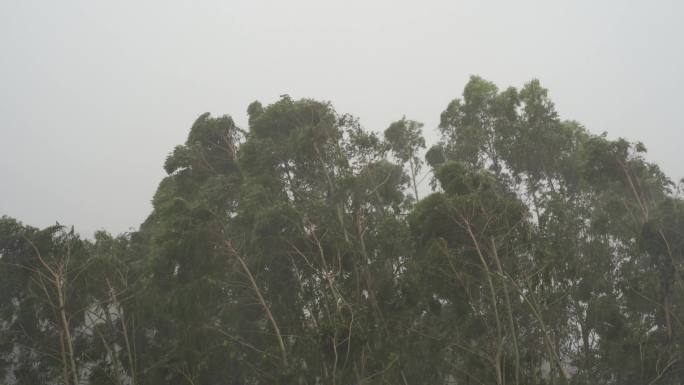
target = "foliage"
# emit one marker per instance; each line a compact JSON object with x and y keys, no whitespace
{"x":299,"y":252}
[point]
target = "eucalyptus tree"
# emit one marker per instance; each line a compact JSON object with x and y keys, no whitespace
{"x":319,"y":215}
{"x":405,"y":141}
{"x":43,"y":303}
{"x":297,"y":251}
{"x":185,"y":293}
{"x":589,"y":200}
{"x":470,"y":240}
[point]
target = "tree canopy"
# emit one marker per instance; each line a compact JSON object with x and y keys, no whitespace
{"x":305,"y":249}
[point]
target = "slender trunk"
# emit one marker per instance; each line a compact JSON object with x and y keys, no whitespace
{"x":550,"y":347}
{"x":331,"y":186}
{"x":281,"y":343}
{"x":124,"y":331}
{"x":413,"y":179}
{"x":637,"y":195}
{"x":492,"y":291}
{"x":365,"y":270}
{"x":57,"y":278}
{"x":587,"y":349}
{"x":65,"y":327}
{"x":65,"y":364}
{"x":509,"y":309}
{"x":668,"y":316}
{"x":112,"y":352}
{"x":112,"y":356}
{"x":129,"y":352}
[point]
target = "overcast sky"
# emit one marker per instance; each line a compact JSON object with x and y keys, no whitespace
{"x":95,"y":94}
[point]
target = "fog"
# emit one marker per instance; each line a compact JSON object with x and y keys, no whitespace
{"x":95,"y":94}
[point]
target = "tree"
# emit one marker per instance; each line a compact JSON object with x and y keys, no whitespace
{"x":405,"y":141}
{"x":297,"y":251}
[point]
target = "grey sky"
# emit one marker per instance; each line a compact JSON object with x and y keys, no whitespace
{"x":94,"y":94}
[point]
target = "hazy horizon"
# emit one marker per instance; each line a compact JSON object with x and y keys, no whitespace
{"x":96,"y":94}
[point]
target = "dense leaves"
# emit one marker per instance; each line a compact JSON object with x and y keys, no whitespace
{"x":299,"y":251}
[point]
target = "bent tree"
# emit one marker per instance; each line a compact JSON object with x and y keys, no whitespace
{"x":306,"y":249}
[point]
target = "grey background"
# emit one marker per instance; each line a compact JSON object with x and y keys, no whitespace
{"x":95,"y":94}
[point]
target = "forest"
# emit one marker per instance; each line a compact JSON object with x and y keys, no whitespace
{"x":305,"y":249}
